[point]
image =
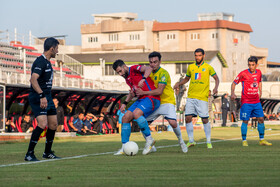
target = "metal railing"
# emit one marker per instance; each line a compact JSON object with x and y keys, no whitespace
{"x":72,"y":63}
{"x":9,"y":77}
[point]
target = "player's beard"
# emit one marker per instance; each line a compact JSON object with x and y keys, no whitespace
{"x":125,"y":75}
{"x":199,"y":62}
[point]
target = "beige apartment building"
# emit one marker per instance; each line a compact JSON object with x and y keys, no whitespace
{"x":121,"y":33}
{"x":117,"y":32}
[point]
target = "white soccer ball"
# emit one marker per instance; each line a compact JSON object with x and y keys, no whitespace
{"x":130,"y":148}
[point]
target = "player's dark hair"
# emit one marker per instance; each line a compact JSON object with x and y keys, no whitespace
{"x":118,"y":63}
{"x":25,"y":115}
{"x":155,"y":54}
{"x":199,"y":50}
{"x":253,"y":59}
{"x":50,"y":42}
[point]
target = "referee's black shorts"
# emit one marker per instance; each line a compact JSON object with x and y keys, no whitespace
{"x":34,"y":101}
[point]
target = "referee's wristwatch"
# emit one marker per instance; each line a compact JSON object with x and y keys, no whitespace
{"x":42,"y":95}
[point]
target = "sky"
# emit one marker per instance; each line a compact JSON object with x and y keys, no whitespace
{"x":61,"y":17}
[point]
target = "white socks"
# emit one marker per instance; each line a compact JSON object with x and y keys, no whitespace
{"x":149,"y":138}
{"x":189,"y":127}
{"x":178,"y":133}
{"x":207,"y":130}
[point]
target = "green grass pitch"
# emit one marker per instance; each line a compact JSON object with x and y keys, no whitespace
{"x":227,"y":164}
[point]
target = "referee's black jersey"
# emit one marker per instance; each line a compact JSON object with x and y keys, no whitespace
{"x":44,"y":69}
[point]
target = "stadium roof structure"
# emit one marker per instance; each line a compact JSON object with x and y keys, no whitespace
{"x":273,"y":63}
{"x":195,"y":25}
{"x":142,"y":58}
{"x":56,"y":36}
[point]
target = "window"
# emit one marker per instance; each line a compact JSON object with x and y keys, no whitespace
{"x":195,"y":36}
{"x":214,"y":35}
{"x":170,"y":36}
{"x":181,"y":68}
{"x":109,"y":70}
{"x":92,"y":39}
{"x":157,"y":37}
{"x":134,"y":37}
{"x":113,"y":37}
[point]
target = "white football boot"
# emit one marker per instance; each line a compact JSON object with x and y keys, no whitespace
{"x":148,"y":146}
{"x":120,"y":152}
{"x":184,"y":147}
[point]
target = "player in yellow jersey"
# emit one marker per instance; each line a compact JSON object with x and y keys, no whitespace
{"x":197,"y":102}
{"x":162,"y":81}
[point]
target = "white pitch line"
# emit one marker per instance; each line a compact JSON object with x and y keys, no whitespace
{"x":108,"y":153}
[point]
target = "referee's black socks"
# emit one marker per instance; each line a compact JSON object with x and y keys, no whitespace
{"x":49,"y":140}
{"x":34,"y":139}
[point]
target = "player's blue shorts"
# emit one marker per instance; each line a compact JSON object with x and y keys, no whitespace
{"x":34,"y":101}
{"x":147,"y":105}
{"x":251,"y":110}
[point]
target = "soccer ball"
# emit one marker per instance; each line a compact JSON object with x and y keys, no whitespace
{"x":130,"y":148}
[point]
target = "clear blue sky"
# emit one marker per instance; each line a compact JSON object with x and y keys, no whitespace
{"x":61,"y":17}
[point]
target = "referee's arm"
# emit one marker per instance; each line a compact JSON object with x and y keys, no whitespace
{"x":36,"y":87}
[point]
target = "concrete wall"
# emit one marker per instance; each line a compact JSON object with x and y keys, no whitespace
{"x":62,"y":49}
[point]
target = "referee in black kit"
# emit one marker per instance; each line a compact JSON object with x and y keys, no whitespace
{"x":41,"y":102}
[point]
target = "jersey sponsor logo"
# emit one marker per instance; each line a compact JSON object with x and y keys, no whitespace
{"x":47,"y":70}
{"x":254,"y":85}
{"x":197,"y":76}
{"x":38,"y":68}
{"x":163,"y":78}
{"x":197,"y":82}
{"x":50,"y":81}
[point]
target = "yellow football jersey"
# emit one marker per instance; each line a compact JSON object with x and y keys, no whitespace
{"x":199,"y":80}
{"x":161,"y":76}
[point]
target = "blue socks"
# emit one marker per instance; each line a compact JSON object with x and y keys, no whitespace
{"x":244,"y":131}
{"x":144,"y":126}
{"x":126,"y":131}
{"x":261,"y":130}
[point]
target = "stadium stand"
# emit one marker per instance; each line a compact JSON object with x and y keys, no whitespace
{"x":12,"y":58}
{"x":16,"y":62}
